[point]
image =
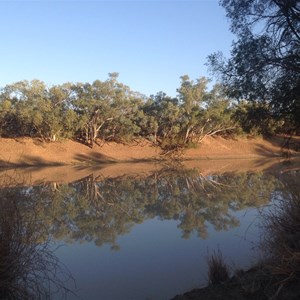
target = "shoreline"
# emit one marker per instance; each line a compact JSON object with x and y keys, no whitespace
{"x":252,"y":284}
{"x":17,"y":165}
{"x":25,"y":152}
{"x":33,"y":175}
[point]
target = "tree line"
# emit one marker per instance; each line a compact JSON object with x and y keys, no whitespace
{"x":258,"y":93}
{"x":110,"y":111}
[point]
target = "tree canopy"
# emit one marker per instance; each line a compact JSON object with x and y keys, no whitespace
{"x":110,"y":111}
{"x":265,"y":58}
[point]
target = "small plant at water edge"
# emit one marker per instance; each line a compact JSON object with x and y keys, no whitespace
{"x":218,"y":270}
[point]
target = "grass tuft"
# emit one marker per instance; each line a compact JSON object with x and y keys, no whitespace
{"x":218,"y":270}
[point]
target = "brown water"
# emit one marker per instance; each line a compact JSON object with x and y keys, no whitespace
{"x":134,"y":232}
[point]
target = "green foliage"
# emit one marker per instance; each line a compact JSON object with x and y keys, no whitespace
{"x":265,"y":59}
{"x":191,"y":93}
{"x":31,"y":109}
{"x":110,"y":111}
{"x":256,"y":118}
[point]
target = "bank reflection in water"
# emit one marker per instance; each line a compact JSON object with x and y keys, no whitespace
{"x":100,"y":210}
{"x":28,"y":267}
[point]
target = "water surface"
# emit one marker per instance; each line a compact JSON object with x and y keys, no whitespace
{"x":132,"y":235}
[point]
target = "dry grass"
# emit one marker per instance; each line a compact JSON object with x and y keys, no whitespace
{"x":281,"y":242}
{"x":28,"y":267}
{"x":218,"y":270}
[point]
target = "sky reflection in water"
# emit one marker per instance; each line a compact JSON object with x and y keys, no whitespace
{"x":134,"y":237}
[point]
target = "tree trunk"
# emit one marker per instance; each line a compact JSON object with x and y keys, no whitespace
{"x":187,"y":135}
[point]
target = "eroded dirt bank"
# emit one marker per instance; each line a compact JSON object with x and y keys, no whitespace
{"x":34,"y":175}
{"x":33,"y":152}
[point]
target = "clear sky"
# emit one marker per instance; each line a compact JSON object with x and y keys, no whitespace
{"x":149,"y":43}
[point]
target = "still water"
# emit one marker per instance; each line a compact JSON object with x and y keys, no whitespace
{"x":128,"y":235}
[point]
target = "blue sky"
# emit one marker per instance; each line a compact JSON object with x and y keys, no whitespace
{"x":149,"y":43}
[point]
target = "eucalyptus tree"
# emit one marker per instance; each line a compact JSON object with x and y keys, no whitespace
{"x":204,"y":112}
{"x":104,"y":108}
{"x":256,"y":118}
{"x":89,"y":108}
{"x":126,"y":125}
{"x":265,"y":59}
{"x":61,"y":120}
{"x":217,"y":117}
{"x":176,"y":122}
{"x":164,"y":116}
{"x":191,"y":95}
{"x":6,"y":115}
{"x":30,"y":108}
{"x":28,"y":101}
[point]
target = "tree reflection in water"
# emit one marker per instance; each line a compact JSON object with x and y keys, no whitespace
{"x":101,"y":209}
{"x":28,"y":267}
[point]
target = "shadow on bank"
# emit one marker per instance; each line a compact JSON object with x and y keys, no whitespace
{"x":277,"y":276}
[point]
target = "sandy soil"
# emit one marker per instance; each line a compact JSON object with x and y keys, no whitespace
{"x":30,"y":161}
{"x":35,"y":175}
{"x":33,"y":152}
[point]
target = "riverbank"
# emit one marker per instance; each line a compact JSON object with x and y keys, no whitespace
{"x":33,"y":152}
{"x":256,"y":283}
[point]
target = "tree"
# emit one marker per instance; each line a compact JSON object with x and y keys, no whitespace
{"x":92,"y":109}
{"x":179,"y":122}
{"x":6,"y":117}
{"x":191,"y":93}
{"x":163,"y":115}
{"x":105,"y":110}
{"x":217,"y":118}
{"x":27,"y":101}
{"x":30,"y":108}
{"x":61,"y":119}
{"x":255,"y":118}
{"x":265,"y":59}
